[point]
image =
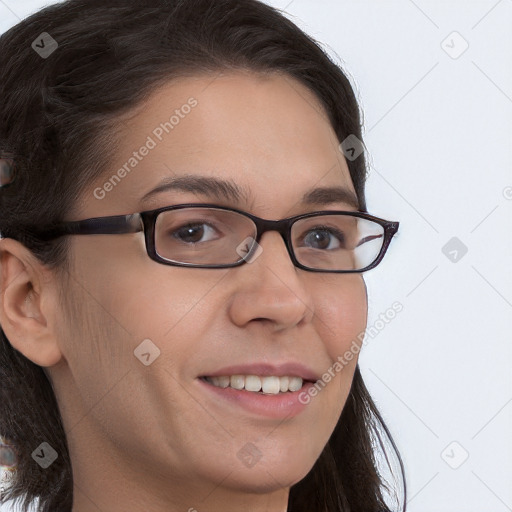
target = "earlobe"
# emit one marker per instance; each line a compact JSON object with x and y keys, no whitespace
{"x":26,"y":299}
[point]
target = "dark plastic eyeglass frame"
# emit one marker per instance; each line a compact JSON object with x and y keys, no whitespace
{"x":146,"y":220}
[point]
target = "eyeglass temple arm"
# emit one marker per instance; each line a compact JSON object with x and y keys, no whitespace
{"x":118,"y":224}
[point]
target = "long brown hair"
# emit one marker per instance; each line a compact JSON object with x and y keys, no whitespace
{"x":58,"y":118}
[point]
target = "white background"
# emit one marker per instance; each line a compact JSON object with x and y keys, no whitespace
{"x":438,"y":129}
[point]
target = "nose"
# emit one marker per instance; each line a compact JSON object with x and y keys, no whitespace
{"x":271,"y":288}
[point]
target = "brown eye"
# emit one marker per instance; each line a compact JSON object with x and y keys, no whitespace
{"x":192,"y":233}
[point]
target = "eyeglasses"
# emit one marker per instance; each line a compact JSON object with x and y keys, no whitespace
{"x":210,"y":236}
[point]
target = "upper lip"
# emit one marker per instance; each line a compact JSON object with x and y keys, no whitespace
{"x":265,"y":369}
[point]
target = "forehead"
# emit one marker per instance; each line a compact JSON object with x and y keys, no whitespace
{"x":266,"y":135}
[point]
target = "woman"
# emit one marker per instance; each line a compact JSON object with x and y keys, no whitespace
{"x":186,"y":357}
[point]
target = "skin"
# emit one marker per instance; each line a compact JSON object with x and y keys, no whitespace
{"x":148,"y":437}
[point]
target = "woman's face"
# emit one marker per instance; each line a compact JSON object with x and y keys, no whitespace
{"x":156,"y":431}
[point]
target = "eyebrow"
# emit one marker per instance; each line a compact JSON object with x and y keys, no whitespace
{"x":220,"y":188}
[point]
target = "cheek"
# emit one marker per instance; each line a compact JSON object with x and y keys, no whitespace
{"x":341,"y":313}
{"x":340,"y":318}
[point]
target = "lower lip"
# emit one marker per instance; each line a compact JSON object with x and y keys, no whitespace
{"x":282,"y":405}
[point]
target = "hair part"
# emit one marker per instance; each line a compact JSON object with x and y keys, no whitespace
{"x":60,"y":118}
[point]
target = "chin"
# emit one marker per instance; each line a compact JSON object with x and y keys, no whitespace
{"x":263,"y":479}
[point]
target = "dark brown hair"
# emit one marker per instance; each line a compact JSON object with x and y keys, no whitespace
{"x":58,"y":118}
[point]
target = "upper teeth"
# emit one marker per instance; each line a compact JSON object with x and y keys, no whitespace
{"x":270,"y":385}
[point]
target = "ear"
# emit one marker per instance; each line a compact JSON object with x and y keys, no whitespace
{"x":28,"y":304}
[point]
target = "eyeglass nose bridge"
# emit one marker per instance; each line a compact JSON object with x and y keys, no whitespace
{"x":283,"y":227}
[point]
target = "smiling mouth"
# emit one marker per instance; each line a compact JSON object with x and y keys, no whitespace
{"x":267,"y":385}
